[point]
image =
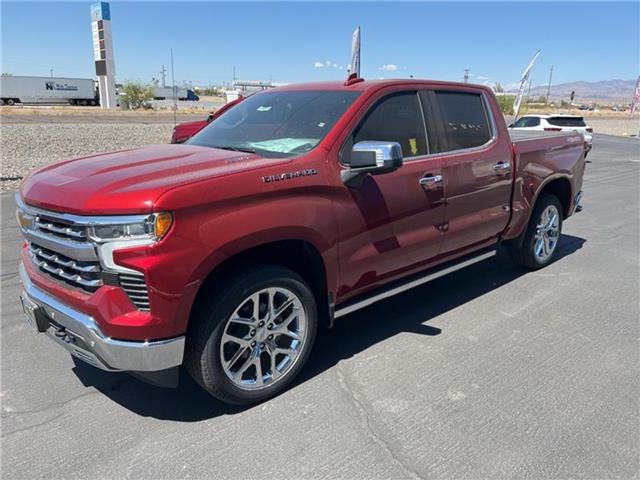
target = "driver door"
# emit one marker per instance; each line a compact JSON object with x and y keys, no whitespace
{"x":390,"y":223}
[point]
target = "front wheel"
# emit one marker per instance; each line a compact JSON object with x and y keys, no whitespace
{"x":248,"y":342}
{"x":542,"y":235}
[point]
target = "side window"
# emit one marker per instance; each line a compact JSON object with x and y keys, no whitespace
{"x":464,"y":119}
{"x":396,"y":118}
{"x":534,"y":121}
{"x":523,"y":122}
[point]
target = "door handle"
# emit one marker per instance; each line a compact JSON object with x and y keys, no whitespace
{"x":430,"y":181}
{"x":502,"y":167}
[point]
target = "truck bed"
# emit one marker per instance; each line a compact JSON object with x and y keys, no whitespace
{"x":524,"y":135}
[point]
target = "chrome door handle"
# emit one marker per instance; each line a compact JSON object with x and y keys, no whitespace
{"x":502,"y":167}
{"x":431,"y":180}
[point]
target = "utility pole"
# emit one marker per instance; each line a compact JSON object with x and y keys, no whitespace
{"x":173,"y":91}
{"x":51,"y":72}
{"x":529,"y":92}
{"x":163,"y":72}
{"x":549,"y":85}
{"x":466,"y":75}
{"x":234,"y":78}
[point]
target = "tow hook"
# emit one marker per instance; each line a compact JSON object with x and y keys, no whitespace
{"x":62,"y":334}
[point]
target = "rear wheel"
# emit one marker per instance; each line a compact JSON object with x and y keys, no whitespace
{"x":249,"y":342}
{"x":10,"y":101}
{"x":542,"y":236}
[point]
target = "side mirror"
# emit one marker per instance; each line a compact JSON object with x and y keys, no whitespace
{"x":510,"y":125}
{"x":374,"y":158}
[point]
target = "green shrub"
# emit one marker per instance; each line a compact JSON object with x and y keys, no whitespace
{"x":506,"y":103}
{"x":135,"y":95}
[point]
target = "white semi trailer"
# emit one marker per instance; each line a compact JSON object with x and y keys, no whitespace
{"x":47,"y":90}
{"x":167,"y":93}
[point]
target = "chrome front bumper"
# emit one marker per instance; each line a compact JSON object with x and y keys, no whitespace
{"x":82,"y":337}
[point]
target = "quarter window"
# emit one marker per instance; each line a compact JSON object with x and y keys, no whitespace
{"x":464,"y":119}
{"x":396,"y":118}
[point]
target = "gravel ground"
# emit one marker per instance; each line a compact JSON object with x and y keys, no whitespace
{"x":29,"y":146}
{"x":615,"y":126}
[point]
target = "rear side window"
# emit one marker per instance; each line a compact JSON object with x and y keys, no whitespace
{"x":396,"y":118}
{"x":464,"y":118}
{"x":567,"y":121}
{"x":527,"y":122}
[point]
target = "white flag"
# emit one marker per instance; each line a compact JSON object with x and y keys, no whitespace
{"x":636,"y":98}
{"x":355,"y":53}
{"x":523,"y":84}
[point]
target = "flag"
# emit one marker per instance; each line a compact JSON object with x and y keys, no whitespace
{"x":636,"y":98}
{"x":523,"y":84}
{"x":355,"y":53}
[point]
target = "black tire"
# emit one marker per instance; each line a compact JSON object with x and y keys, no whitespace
{"x":209,"y":321}
{"x":10,"y":102}
{"x":524,"y":255}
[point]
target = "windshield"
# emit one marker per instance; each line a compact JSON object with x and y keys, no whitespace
{"x":276,"y":124}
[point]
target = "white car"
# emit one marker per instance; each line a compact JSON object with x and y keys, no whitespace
{"x":555,"y":123}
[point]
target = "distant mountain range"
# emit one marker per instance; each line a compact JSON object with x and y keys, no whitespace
{"x":608,"y":91}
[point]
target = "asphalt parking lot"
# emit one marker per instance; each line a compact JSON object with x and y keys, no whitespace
{"x":492,"y":372}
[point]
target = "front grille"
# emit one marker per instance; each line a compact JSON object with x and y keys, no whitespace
{"x":61,"y":229}
{"x":82,"y":274}
{"x":59,"y":245}
{"x":136,"y":289}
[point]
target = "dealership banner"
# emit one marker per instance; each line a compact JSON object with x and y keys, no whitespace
{"x":523,"y":84}
{"x":636,"y":98}
{"x":355,"y":53}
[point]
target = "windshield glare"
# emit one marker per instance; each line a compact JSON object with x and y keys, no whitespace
{"x":276,"y":124}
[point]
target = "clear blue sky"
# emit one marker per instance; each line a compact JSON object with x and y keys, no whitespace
{"x":288,"y":41}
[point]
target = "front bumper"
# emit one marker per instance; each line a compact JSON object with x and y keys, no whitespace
{"x":82,"y":337}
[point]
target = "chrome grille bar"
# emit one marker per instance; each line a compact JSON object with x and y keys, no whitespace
{"x":83,"y":276}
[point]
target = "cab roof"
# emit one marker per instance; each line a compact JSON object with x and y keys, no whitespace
{"x":363,"y":85}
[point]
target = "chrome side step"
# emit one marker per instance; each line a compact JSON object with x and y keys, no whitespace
{"x":416,"y":282}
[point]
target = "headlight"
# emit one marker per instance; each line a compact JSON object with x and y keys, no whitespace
{"x":152,"y":227}
{"x":25,"y":220}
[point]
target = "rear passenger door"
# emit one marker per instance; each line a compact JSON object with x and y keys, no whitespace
{"x":476,"y":167}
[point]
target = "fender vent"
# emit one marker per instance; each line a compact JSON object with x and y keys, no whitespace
{"x":136,"y":289}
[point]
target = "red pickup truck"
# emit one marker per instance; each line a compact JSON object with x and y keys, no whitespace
{"x":297,"y":206}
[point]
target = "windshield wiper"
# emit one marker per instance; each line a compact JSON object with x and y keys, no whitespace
{"x":234,"y":149}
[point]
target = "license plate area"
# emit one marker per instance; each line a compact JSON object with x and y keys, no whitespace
{"x":36,"y":317}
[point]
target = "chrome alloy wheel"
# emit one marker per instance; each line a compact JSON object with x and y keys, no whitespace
{"x":547,"y":233}
{"x":263,"y":338}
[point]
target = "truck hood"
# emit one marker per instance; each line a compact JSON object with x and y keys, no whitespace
{"x":129,"y":181}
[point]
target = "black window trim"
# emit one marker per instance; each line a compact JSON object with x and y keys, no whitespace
{"x":488,"y":113}
{"x":416,"y":93}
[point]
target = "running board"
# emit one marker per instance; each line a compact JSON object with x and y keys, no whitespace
{"x":352,"y":306}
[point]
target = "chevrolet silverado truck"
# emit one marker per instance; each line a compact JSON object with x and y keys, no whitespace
{"x":298,"y":206}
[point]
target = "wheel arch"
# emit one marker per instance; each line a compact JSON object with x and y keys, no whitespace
{"x":299,"y":255}
{"x":558,"y":185}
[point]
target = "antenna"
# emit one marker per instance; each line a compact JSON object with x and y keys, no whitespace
{"x":163,"y":72}
{"x":173,"y":90}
